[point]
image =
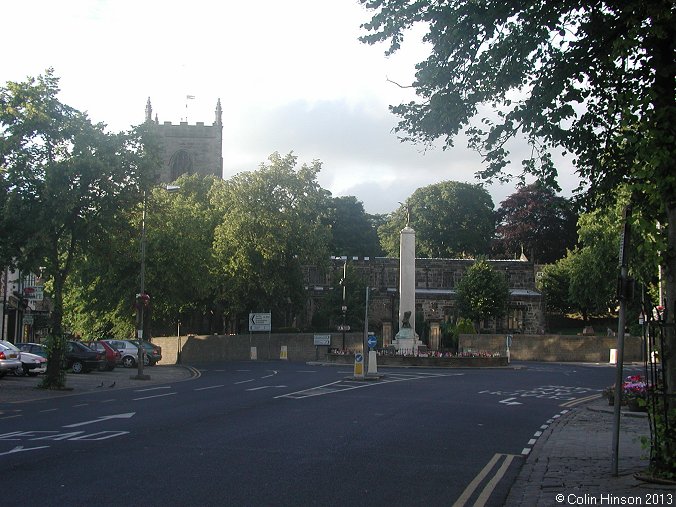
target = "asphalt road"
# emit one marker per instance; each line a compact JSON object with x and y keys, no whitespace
{"x":288,"y":434}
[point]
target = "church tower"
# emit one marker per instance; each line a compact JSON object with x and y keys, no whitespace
{"x":189,"y":149}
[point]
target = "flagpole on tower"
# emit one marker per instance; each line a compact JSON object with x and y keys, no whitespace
{"x":187,"y":98}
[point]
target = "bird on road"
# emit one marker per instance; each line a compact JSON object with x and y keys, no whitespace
{"x":112,"y":385}
{"x":100,"y":385}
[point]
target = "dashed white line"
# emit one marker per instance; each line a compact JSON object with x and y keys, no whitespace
{"x":154,"y":396}
{"x":209,"y":387}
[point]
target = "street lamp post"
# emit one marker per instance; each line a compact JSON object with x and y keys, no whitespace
{"x":142,"y":298}
{"x":343,"y":308}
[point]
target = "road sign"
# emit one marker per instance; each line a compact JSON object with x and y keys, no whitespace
{"x":260,"y":321}
{"x":322,"y":339}
{"x":372,"y":341}
{"x":343,"y":327}
{"x":35,"y":293}
{"x":358,"y":365}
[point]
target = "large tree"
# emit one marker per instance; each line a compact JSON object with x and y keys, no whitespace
{"x":594,"y":78}
{"x":178,"y":266}
{"x":68,"y":183}
{"x":352,"y":230}
{"x":272,"y":225}
{"x":451,"y":219}
{"x":536,"y":221}
{"x":483,"y":293}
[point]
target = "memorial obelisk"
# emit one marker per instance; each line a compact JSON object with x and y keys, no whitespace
{"x":406,"y":341}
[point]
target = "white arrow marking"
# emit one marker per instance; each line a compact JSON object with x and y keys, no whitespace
{"x":509,"y":401}
{"x":102,"y":418}
{"x":20,"y":448}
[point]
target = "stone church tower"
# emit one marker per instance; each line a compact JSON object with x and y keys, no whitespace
{"x":191,"y":149}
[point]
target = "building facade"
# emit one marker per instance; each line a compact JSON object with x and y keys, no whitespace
{"x":435,"y":293}
{"x":189,"y":149}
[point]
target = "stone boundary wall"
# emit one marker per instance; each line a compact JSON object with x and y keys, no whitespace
{"x":588,"y":349}
{"x":300,"y":347}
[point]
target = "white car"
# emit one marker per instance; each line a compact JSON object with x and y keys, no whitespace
{"x":10,"y":357}
{"x":31,"y":364}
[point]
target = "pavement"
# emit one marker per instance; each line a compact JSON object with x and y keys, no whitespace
{"x":21,"y":389}
{"x":569,"y":464}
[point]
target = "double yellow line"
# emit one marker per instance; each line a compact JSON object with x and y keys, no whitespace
{"x":490,"y":485}
{"x":577,"y":401}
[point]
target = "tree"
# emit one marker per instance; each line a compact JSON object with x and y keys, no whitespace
{"x":555,"y":285}
{"x":596,"y":79}
{"x":482,"y":293}
{"x":271,"y":226}
{"x":352,"y":230}
{"x":451,"y":219}
{"x":178,"y":269}
{"x":536,"y":221}
{"x":71,"y":178}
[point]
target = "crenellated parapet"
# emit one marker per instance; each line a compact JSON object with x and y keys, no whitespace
{"x":189,"y":148}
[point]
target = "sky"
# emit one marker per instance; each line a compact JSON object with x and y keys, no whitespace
{"x":291,"y":75}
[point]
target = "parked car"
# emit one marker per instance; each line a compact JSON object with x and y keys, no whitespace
{"x":153,"y":352}
{"x":34,"y":348}
{"x":10,"y":357}
{"x":113,"y":356}
{"x":81,"y":359}
{"x":31,"y":365}
{"x":128,"y":352}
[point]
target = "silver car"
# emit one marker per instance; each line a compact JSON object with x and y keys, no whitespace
{"x":128,"y":352}
{"x":10,"y":357}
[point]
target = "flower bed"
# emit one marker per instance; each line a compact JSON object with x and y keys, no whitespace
{"x":441,"y":361}
{"x":634,"y":393}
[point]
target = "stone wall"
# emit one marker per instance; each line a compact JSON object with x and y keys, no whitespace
{"x":590,"y":349}
{"x":300,"y":347}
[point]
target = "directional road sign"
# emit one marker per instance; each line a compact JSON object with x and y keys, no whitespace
{"x":260,"y":321}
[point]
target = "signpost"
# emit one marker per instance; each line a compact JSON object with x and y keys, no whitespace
{"x":372,"y":341}
{"x":359,"y":365}
{"x":260,"y":322}
{"x":322,"y":339}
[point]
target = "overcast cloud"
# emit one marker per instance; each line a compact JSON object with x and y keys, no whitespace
{"x":291,"y":76}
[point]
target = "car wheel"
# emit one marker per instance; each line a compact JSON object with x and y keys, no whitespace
{"x":128,"y":362}
{"x":146,"y":361}
{"x":20,"y":371}
{"x":77,"y":367}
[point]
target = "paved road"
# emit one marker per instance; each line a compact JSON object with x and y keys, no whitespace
{"x":278,"y":433}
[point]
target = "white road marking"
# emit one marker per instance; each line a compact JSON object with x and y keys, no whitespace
{"x":155,"y":396}
{"x":101,"y":419}
{"x":209,"y":387}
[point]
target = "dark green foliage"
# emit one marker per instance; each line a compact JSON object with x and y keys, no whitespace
{"x":451,"y":219}
{"x":482,"y":292}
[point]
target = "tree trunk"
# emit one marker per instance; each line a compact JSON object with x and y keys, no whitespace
{"x":55,"y":377}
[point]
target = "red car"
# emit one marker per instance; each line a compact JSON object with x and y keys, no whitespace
{"x":113,"y":355}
